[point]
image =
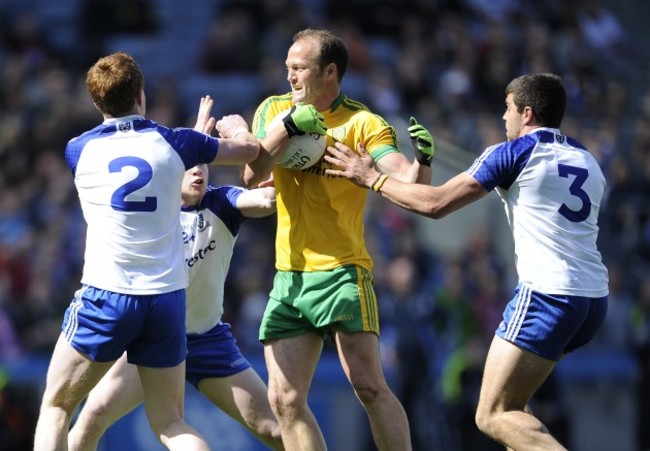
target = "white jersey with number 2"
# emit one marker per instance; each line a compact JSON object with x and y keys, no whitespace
{"x":552,"y":188}
{"x":128,"y":174}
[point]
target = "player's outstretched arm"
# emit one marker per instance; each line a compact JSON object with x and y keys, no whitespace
{"x":257,"y":203}
{"x":237,"y":144}
{"x":432,"y":201}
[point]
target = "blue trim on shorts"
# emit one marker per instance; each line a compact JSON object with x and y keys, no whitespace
{"x":213,"y":354}
{"x":150,"y":328}
{"x":551,"y":325}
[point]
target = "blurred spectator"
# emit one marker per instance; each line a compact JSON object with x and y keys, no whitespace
{"x":101,"y":19}
{"x":493,"y":10}
{"x":9,"y":343}
{"x":462,"y":338}
{"x":615,"y":335}
{"x":641,"y":331}
{"x":406,"y":346}
{"x":228,"y":45}
{"x":24,"y":38}
{"x":164,"y":106}
{"x":601,"y":29}
{"x":18,"y":413}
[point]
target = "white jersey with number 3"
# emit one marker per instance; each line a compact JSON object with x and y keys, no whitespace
{"x":128,"y":174}
{"x":552,"y":188}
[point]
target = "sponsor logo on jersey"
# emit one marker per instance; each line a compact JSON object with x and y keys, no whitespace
{"x":201,"y":254}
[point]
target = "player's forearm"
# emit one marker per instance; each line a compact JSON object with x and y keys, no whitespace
{"x":257,"y":203}
{"x":434,"y":202}
{"x":417,"y":198}
{"x":422,"y":173}
{"x":271,"y":148}
{"x":251,"y":177}
{"x":235,"y":151}
{"x":397,"y":166}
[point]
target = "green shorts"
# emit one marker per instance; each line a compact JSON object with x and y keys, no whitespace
{"x":302,"y":302}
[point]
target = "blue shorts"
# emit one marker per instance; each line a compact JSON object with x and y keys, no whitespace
{"x":150,"y":328}
{"x":213,"y":354}
{"x":551,"y":325}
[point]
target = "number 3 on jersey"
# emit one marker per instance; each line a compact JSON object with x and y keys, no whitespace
{"x":576,"y":190}
{"x":145,"y":174}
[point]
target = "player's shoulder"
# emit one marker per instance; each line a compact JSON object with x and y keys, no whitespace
{"x":221,"y":201}
{"x":89,"y":134}
{"x":346,"y":103}
{"x":523,"y":145}
{"x":274,"y":104}
{"x":357,"y":114}
{"x":267,"y":110}
{"x":223,"y":195}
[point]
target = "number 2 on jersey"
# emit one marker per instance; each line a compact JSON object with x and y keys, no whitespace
{"x":145,"y":174}
{"x":575,"y":189}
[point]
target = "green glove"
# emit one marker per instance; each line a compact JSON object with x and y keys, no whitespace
{"x":422,"y":142}
{"x":303,"y":119}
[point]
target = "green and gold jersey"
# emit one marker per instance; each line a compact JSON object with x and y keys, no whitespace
{"x":321,"y":218}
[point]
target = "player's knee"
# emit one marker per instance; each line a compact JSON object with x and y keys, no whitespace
{"x":265,"y":427}
{"x":163,"y":420}
{"x":368,"y":391}
{"x":92,"y":421}
{"x":285,"y":401}
{"x":60,"y":401}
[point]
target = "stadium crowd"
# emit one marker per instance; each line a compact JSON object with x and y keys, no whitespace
{"x":445,"y":62}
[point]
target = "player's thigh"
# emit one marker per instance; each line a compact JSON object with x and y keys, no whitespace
{"x":163,"y":390}
{"x":71,"y":375}
{"x":511,"y":376}
{"x":291,"y":361}
{"x":117,"y":393}
{"x":242,"y":396}
{"x":359,"y":356}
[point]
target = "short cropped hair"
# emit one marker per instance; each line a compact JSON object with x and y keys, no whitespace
{"x":114,"y":83}
{"x":543,"y":93}
{"x":332,"y":49}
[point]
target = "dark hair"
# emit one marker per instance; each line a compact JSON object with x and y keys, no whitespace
{"x":543,"y":93}
{"x":332,"y":49}
{"x":114,"y":83}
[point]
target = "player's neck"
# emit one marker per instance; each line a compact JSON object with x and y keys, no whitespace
{"x":190,"y":201}
{"x":326,"y":101}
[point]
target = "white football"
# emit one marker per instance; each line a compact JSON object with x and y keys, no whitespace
{"x":303,"y":151}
